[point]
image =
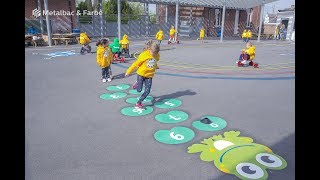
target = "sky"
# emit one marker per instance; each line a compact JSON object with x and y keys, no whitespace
{"x":281,"y":4}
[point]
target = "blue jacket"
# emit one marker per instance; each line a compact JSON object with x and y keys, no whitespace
{"x":32,"y":31}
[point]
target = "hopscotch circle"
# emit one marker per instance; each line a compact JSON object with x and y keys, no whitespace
{"x":132,"y":111}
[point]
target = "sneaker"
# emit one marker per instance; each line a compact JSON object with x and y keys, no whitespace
{"x":135,"y":85}
{"x":104,"y":80}
{"x":109,"y":79}
{"x":139,"y":106}
{"x":256,"y":65}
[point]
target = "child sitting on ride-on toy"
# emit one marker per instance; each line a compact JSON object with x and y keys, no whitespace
{"x":84,"y":40}
{"x":247,"y":56}
{"x":124,"y":42}
{"x":115,"y":48}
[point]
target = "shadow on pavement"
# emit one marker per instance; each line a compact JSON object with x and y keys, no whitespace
{"x":174,"y":95}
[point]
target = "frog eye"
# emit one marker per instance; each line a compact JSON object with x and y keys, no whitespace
{"x":249,"y":171}
{"x":269,"y":160}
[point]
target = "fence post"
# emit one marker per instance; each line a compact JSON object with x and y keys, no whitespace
{"x":260,"y":23}
{"x":48,"y":22}
{"x":41,"y":14}
{"x":119,"y":19}
{"x":101,"y":18}
{"x":177,"y":14}
{"x":222,"y":23}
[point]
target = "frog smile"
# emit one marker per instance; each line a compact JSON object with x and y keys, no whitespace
{"x":221,"y":157}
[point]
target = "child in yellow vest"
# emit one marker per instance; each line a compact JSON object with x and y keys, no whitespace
{"x":146,"y":65}
{"x":201,"y":35}
{"x":84,"y":40}
{"x":159,"y":36}
{"x":124,"y":42}
{"x":104,"y":58}
{"x":247,"y":56}
{"x":172,"y":33}
{"x":145,"y":48}
{"x":244,"y":35}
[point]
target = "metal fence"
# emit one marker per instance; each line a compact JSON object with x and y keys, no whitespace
{"x":36,"y":24}
{"x":148,"y":26}
{"x":145,"y":26}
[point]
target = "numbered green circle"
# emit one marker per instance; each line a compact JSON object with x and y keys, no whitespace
{"x":132,"y":111}
{"x":119,"y":87}
{"x":176,"y":135}
{"x":212,"y":123}
{"x":135,"y":100}
{"x":113,"y":96}
{"x":168,"y":103}
{"x":172,"y":117}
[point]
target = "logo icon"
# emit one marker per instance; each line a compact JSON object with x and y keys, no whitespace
{"x":36,"y":13}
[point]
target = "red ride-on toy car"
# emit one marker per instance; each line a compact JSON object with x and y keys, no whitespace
{"x":175,"y":41}
{"x":245,"y":57}
{"x":251,"y":63}
{"x":118,"y":59}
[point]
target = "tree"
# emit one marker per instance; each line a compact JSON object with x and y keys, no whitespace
{"x":128,"y":10}
{"x":89,"y":5}
{"x":84,"y":18}
{"x":82,"y":6}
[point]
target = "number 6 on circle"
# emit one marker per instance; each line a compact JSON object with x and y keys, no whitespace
{"x":177,"y":136}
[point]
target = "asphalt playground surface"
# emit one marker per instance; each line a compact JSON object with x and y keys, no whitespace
{"x":72,"y":134}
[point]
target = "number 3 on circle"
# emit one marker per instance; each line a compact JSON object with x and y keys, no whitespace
{"x":177,"y":136}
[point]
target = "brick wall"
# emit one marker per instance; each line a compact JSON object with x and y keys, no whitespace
{"x":269,"y":28}
{"x":209,"y":18}
{"x":255,"y":19}
{"x":65,"y":23}
{"x":242,"y":20}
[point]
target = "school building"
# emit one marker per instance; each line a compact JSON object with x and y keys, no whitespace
{"x":236,"y":20}
{"x":64,"y":23}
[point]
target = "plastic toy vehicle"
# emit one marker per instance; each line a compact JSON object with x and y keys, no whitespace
{"x":85,"y":49}
{"x":175,"y":41}
{"x":237,"y":155}
{"x":251,"y":63}
{"x":120,"y":59}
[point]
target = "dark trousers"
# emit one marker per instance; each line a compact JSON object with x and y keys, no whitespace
{"x":105,"y":72}
{"x":147,"y":87}
{"x":119,"y":53}
{"x":244,"y":57}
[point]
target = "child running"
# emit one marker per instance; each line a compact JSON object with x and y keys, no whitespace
{"x":171,"y":33}
{"x":104,"y":58}
{"x":159,"y":36}
{"x":247,"y":56}
{"x":146,"y":47}
{"x":244,"y":35}
{"x":201,"y":35}
{"x":146,"y":65}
